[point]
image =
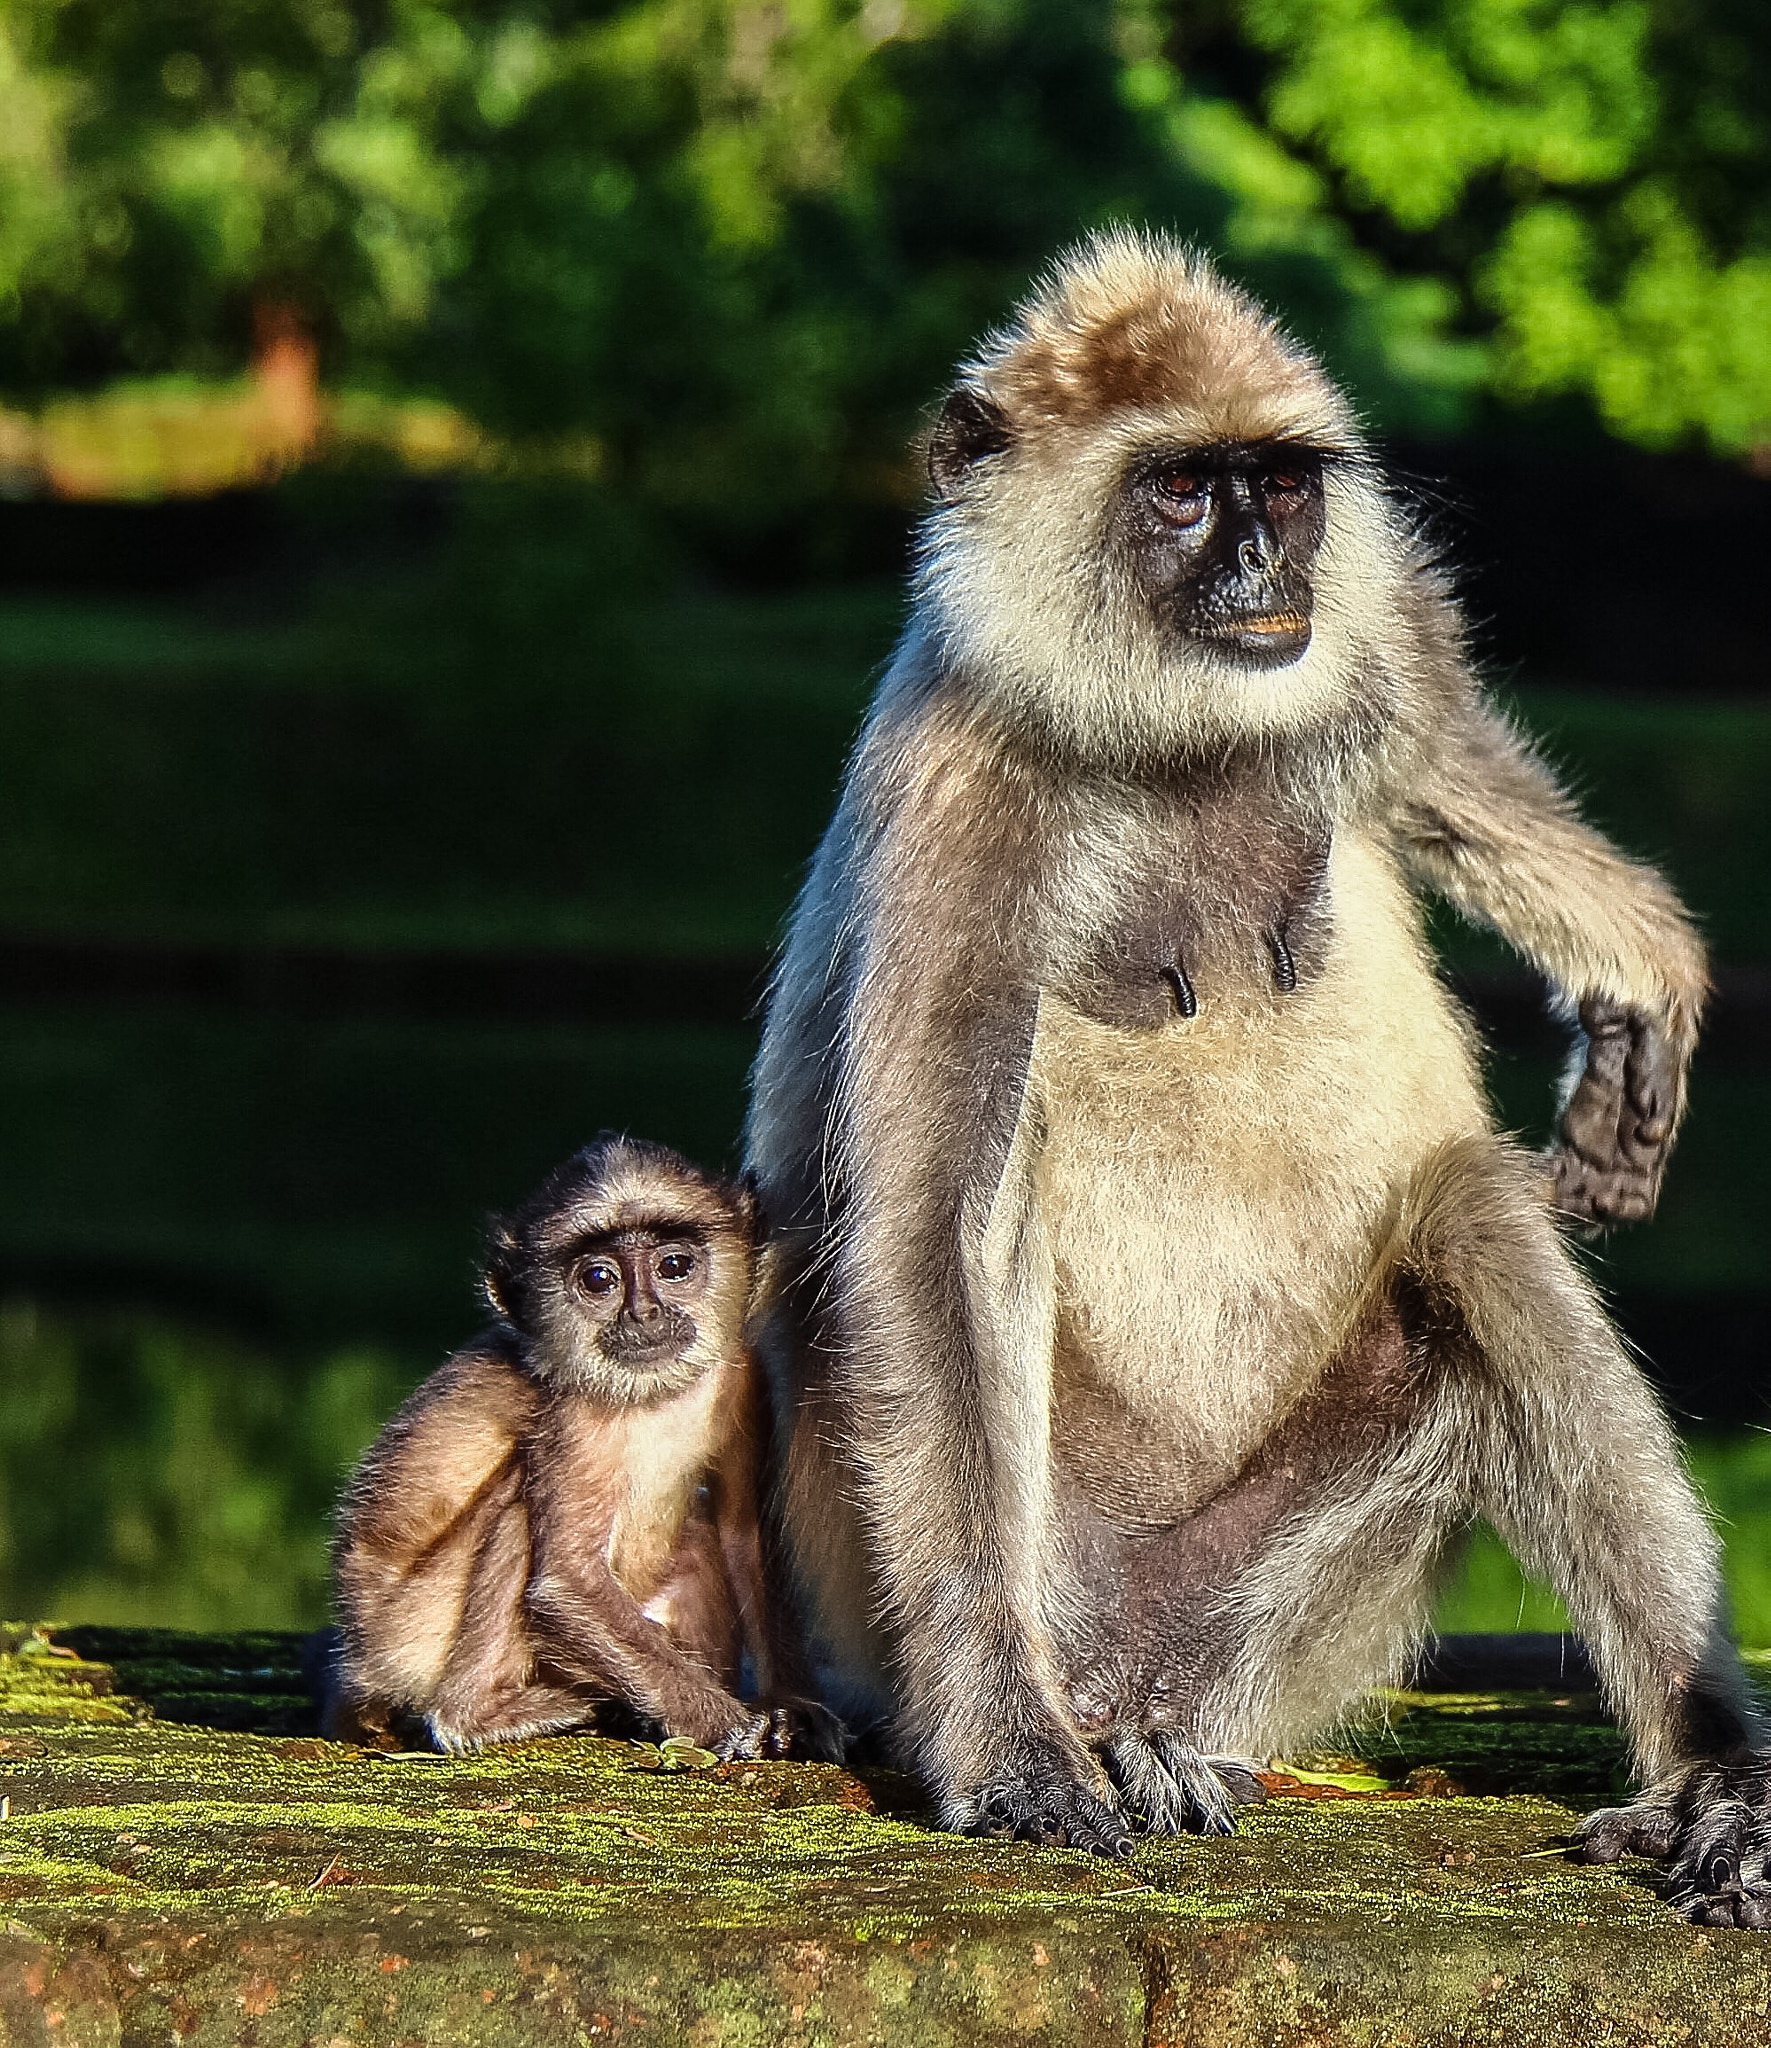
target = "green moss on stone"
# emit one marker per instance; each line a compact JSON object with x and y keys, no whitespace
{"x":162,"y":1880}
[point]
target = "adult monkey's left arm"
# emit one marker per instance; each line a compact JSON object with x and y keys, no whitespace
{"x":1481,"y":821}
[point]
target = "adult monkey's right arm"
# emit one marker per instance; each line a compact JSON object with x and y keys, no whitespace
{"x":1480,"y":820}
{"x":940,"y":1282}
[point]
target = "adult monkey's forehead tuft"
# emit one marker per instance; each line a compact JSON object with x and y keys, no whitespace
{"x":1133,"y":322}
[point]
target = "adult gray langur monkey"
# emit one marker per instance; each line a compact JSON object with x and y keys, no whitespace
{"x":1154,"y":1296}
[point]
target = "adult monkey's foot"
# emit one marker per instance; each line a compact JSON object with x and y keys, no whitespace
{"x":1711,"y":1826}
{"x":1043,"y":1794}
{"x":1170,"y":1788}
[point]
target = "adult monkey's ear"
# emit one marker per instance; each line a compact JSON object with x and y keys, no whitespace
{"x":971,"y":426}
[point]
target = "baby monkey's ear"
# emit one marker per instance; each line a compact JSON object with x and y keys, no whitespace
{"x":498,"y":1282}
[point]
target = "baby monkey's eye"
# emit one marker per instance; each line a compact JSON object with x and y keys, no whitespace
{"x":599,"y":1278}
{"x":676,"y":1265}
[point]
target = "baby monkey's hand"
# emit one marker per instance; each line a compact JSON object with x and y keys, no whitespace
{"x":1616,"y":1131}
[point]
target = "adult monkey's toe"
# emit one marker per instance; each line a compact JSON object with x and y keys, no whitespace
{"x":1711,"y":1825}
{"x":1043,"y":1798}
{"x":1170,"y":1787}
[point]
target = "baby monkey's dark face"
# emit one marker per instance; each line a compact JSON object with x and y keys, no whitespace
{"x":637,"y":1290}
{"x":1224,"y":540}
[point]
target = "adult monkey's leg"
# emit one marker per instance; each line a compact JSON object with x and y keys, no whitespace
{"x":935,"y":1286}
{"x":1531,"y":1413}
{"x":1317,"y":1567}
{"x":1583,"y":1479}
{"x":1204,"y":1646}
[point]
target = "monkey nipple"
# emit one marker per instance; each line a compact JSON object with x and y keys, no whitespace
{"x":1186,"y":1002}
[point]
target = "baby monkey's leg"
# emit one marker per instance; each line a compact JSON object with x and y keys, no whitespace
{"x":488,"y":1692}
{"x":1582,"y":1476}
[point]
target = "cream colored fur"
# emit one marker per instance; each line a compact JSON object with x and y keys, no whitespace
{"x":1239,"y":1173}
{"x":1002,"y":1218}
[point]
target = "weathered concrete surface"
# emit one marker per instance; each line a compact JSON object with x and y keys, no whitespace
{"x":180,"y":1864}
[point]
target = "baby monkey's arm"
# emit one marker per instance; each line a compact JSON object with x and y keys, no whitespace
{"x":588,"y":1627}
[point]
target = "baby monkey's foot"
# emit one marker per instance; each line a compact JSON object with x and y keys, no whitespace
{"x":1711,"y":1826}
{"x":521,"y":1714}
{"x":1170,"y":1789}
{"x":746,"y":1736}
{"x":705,"y":1714}
{"x":1042,"y":1793}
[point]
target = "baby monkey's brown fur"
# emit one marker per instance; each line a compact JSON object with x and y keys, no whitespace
{"x":565,"y":1516}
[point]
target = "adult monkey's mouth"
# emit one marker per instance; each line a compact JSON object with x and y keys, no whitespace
{"x":1269,"y":637}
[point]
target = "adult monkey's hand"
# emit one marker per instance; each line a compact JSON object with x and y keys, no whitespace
{"x":1616,"y":1130}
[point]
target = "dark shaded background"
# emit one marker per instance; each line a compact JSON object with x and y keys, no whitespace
{"x":330,"y":916}
{"x":368,"y":839}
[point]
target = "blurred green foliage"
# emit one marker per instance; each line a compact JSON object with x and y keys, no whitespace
{"x":154,"y":1470}
{"x":1491,"y":1591}
{"x":165,"y":163}
{"x":1596,"y":177}
{"x":733,"y":246}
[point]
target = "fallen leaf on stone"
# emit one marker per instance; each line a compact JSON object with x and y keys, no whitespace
{"x":1295,"y":1783}
{"x":675,"y":1753}
{"x":1348,"y":1781}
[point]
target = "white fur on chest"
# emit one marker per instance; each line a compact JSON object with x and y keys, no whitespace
{"x":664,"y":1451}
{"x":1214,"y":1192}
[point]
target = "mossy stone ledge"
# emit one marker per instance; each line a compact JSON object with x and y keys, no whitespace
{"x":182,"y":1861}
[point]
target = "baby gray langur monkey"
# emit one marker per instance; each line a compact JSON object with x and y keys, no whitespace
{"x":565,"y":1518}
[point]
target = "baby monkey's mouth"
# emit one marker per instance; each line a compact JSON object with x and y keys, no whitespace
{"x":643,"y":1346}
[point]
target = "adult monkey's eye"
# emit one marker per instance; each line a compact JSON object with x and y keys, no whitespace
{"x":599,"y":1278}
{"x":1183,"y":496}
{"x":1285,"y":480}
{"x":676,"y":1265}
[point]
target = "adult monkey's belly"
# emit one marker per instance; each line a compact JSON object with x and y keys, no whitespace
{"x":1214,"y":1194}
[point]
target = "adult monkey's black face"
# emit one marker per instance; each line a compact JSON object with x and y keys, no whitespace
{"x":1223,"y":541}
